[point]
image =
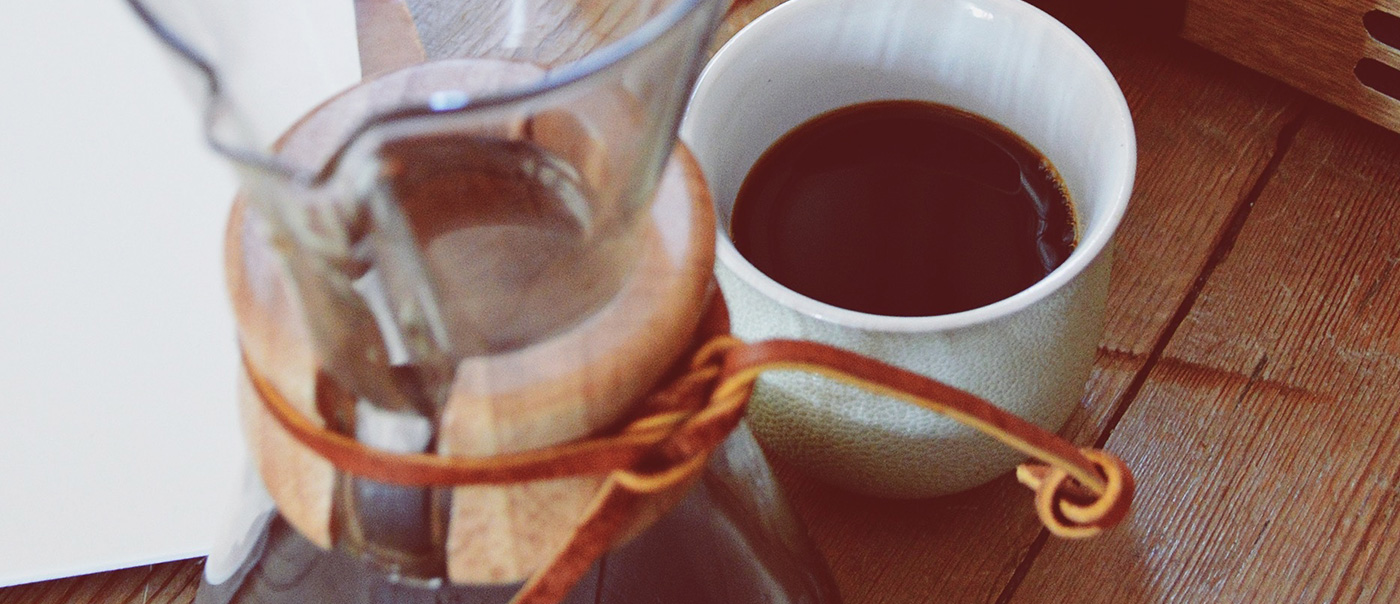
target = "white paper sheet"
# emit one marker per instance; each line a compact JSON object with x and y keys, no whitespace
{"x":119,"y":442}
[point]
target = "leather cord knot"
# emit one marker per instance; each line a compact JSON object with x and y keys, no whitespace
{"x":1071,"y":510}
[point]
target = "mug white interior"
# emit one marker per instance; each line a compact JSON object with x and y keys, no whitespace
{"x":1002,"y":59}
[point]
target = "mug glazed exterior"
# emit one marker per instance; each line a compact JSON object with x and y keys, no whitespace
{"x":1030,"y":353}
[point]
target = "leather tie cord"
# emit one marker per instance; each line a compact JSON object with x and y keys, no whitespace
{"x":1078,"y":492}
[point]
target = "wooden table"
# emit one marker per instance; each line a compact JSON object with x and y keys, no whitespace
{"x":1250,"y":374}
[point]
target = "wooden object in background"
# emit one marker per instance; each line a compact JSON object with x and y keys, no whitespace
{"x":1313,"y":45}
{"x":388,"y":39}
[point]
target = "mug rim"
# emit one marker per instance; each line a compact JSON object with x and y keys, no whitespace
{"x":1091,"y":245}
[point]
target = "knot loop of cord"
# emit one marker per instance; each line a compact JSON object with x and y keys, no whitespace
{"x":1070,"y":510}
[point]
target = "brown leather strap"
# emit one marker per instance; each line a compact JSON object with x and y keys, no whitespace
{"x":1078,"y":492}
{"x":745,"y":364}
{"x":624,"y":497}
{"x":1060,"y":501}
{"x":589,"y":457}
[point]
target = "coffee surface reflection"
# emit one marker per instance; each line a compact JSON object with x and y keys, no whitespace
{"x":903,"y":208}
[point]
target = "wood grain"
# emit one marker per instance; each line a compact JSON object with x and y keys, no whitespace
{"x":1265,"y":441}
{"x":544,"y":32}
{"x":169,"y":583}
{"x":1206,"y":132}
{"x":1311,"y":44}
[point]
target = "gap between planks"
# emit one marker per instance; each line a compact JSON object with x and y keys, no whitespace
{"x":1220,"y":250}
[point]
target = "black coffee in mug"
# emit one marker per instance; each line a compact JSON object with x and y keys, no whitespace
{"x":903,"y":208}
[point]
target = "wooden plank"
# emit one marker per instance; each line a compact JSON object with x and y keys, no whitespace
{"x":1310,"y":44}
{"x":1206,"y":130}
{"x":169,"y":583}
{"x":388,"y":39}
{"x":548,"y":33}
{"x":740,"y":13}
{"x":1265,"y":442}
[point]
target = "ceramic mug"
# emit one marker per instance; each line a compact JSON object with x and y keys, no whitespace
{"x":1030,"y":353}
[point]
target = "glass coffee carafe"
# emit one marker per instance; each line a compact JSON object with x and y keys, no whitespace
{"x":491,"y":244}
